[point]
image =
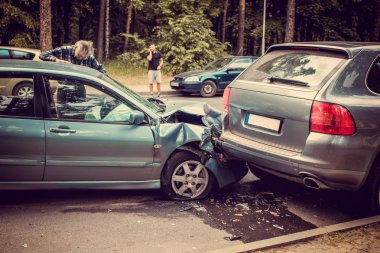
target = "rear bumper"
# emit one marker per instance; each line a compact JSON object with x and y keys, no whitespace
{"x":291,"y":165}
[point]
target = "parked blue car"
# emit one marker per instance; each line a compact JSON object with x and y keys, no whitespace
{"x":81,"y":129}
{"x":213,"y":78}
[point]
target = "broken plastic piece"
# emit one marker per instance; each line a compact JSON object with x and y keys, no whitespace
{"x":232,"y":238}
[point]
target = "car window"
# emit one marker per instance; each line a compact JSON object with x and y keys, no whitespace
{"x":310,"y":67}
{"x":4,"y":54}
{"x":20,"y":55}
{"x":215,"y":65}
{"x":17,"y":95}
{"x":373,"y":78}
{"x":71,"y":99}
{"x":240,"y":63}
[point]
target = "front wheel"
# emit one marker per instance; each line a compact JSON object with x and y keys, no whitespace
{"x":185,"y":178}
{"x":208,"y":89}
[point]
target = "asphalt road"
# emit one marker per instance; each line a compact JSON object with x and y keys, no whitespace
{"x":143,"y":221}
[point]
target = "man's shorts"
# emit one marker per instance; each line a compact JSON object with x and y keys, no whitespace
{"x":154,"y":75}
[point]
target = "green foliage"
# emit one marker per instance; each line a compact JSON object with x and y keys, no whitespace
{"x":136,"y":57}
{"x":19,"y":19}
{"x":188,"y":43}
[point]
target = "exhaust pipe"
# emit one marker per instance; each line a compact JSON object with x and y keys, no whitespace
{"x":311,"y":183}
{"x":314,"y":183}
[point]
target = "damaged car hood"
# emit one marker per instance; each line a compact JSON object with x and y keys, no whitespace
{"x":184,"y":106}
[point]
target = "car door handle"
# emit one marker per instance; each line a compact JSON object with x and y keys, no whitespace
{"x":62,"y":130}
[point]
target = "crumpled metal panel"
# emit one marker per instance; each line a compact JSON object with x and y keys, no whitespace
{"x":171,"y":136}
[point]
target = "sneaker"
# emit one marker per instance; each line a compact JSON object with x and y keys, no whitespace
{"x":159,"y":95}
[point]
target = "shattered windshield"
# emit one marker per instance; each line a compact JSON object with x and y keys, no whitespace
{"x":154,"y":107}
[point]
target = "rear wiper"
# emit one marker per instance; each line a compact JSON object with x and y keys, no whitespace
{"x":289,"y":81}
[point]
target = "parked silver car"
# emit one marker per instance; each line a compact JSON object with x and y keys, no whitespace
{"x":310,"y":112}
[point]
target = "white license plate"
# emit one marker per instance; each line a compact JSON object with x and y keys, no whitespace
{"x":263,"y":122}
{"x":174,"y":84}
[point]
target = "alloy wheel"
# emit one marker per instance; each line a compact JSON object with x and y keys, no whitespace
{"x":190,"y":179}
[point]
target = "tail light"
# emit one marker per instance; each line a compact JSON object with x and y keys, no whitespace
{"x":331,"y":119}
{"x":226,"y":98}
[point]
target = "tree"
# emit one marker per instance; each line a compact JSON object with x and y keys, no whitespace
{"x":241,"y":30}
{"x":19,"y":24}
{"x":290,"y":21}
{"x":376,"y":24}
{"x":181,"y":51}
{"x":107,"y":32}
{"x":128,"y":24}
{"x":225,"y":8}
{"x":102,"y":10}
{"x":45,"y":25}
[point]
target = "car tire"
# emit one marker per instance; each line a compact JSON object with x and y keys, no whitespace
{"x":208,"y":89}
{"x":371,"y":191}
{"x":185,"y":178}
{"x":23,"y":89}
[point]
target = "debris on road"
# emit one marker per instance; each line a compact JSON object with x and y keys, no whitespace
{"x":232,"y":238}
{"x":184,"y":208}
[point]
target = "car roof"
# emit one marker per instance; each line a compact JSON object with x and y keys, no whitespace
{"x":30,"y":50}
{"x":242,"y":56}
{"x":349,"y":47}
{"x":32,"y":66}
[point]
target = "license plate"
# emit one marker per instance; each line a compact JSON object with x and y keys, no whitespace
{"x":174,"y":84}
{"x":263,"y":122}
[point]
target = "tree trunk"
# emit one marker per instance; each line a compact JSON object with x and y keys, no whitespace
{"x":107,"y":47}
{"x":240,"y":40}
{"x":45,"y":25}
{"x":128,"y":25}
{"x":290,"y":21}
{"x":66,"y":16}
{"x":376,"y":24}
{"x":224,"y":21}
{"x":102,"y":8}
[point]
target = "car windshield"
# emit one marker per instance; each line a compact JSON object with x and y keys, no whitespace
{"x":215,"y":65}
{"x":310,"y":67}
{"x":133,"y":94}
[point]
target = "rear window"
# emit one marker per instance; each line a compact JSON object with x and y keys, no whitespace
{"x":373,"y":78}
{"x":20,"y":55}
{"x":4,"y":54}
{"x":306,"y":66}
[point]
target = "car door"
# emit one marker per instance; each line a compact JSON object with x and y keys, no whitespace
{"x":233,"y":70}
{"x":22,"y":133}
{"x":88,"y":137}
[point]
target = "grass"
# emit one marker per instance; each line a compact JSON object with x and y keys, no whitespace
{"x":129,"y":75}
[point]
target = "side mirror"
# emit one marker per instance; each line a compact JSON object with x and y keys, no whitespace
{"x":136,"y":117}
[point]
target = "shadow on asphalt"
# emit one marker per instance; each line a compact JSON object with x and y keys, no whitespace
{"x":249,"y":212}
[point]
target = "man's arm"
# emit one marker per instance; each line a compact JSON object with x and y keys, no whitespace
{"x":150,"y":55}
{"x":96,"y":65}
{"x":160,"y":65}
{"x":51,"y":55}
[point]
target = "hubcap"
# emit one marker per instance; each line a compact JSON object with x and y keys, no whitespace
{"x":25,"y":92}
{"x":207,"y":88}
{"x":190,"y":179}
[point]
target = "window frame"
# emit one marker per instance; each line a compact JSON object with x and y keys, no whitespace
{"x":376,"y":59}
{"x":95,"y":85}
{"x":37,"y":93}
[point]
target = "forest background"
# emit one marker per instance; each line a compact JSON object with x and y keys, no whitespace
{"x":189,"y":33}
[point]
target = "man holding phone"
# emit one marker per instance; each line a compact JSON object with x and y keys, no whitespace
{"x":154,"y":68}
